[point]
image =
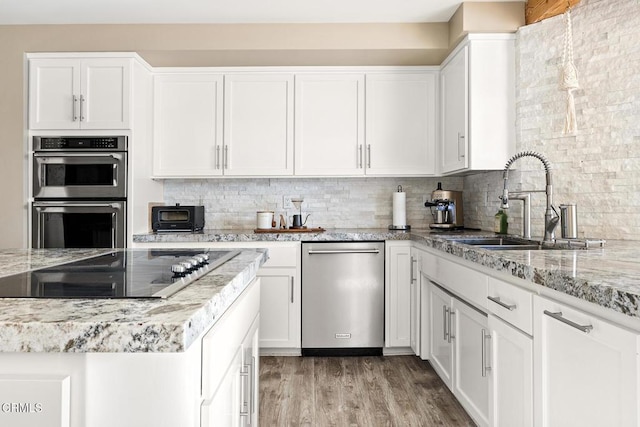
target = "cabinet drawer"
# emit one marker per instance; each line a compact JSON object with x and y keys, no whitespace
{"x":468,"y":284}
{"x":512,"y":304}
{"x":428,"y":264}
{"x":288,"y":256}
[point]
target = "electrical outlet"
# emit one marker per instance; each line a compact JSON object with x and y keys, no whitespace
{"x":286,"y":202}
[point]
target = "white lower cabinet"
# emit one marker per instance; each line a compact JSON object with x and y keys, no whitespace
{"x":459,"y":352}
{"x":280,"y":300}
{"x":586,"y":369}
{"x":398,"y":287}
{"x":511,"y":375}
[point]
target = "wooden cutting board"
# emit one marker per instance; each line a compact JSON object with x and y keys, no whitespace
{"x":290,"y":230}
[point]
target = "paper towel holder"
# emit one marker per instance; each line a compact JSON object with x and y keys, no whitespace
{"x":400,"y":227}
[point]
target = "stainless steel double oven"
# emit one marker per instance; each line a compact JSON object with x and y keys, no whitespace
{"x":79,"y":192}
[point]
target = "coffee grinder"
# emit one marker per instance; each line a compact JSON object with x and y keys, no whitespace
{"x":448,"y":209}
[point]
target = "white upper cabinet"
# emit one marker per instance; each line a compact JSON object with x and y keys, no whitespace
{"x":70,"y":93}
{"x":187,"y":125}
{"x":258,"y":124}
{"x":329,"y":124}
{"x":400,"y":124}
{"x":477,"y":104}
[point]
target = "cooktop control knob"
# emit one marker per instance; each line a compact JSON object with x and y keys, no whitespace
{"x":205,"y":257}
{"x":187,"y":265}
{"x":200,"y":260}
{"x":194,"y":263}
{"x":179,"y":270}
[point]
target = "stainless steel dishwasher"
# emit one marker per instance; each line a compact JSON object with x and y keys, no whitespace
{"x":342,"y":298}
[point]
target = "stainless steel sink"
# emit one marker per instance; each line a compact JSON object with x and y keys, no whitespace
{"x":504,"y":243}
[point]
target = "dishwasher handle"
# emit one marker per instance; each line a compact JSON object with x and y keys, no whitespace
{"x":343,"y":251}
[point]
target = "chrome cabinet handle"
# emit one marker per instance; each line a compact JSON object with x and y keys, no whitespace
{"x":497,"y":300}
{"x":413,"y":261}
{"x":369,"y":156}
{"x":460,"y":152}
{"x":451,"y":314}
{"x":360,"y":156}
{"x":245,"y":371}
{"x":445,"y":321}
{"x":225,"y":164}
{"x":484,"y":338}
{"x":82,"y":108}
{"x":558,"y":316}
{"x":292,"y":279}
{"x":73,"y":103}
{"x":217,"y":157}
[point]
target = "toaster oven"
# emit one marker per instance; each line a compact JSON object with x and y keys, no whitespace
{"x":177,"y":218}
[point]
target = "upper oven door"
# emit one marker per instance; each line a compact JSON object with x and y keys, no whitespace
{"x":79,"y":175}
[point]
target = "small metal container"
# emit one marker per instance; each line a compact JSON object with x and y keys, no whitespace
{"x":569,"y":221}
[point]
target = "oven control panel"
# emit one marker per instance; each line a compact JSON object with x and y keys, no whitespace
{"x":112,"y":143}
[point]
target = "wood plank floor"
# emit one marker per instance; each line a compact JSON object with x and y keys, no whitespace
{"x":355,"y":391}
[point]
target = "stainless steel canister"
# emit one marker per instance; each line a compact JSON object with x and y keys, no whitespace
{"x":569,"y":221}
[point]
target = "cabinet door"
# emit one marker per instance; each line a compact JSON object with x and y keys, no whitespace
{"x":223,"y":407}
{"x":511,"y":376}
{"x":454,"y":87}
{"x":329,"y":130}
{"x":398,"y":296}
{"x":187,"y":123}
{"x":471,"y":381}
{"x":54,"y":94}
{"x":585,"y":377}
{"x":440,"y":334}
{"x":401,"y":124}
{"x":105,"y":93}
{"x":279,"y":309}
{"x":258,"y":124}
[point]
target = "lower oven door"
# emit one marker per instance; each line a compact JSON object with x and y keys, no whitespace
{"x":78,"y":224}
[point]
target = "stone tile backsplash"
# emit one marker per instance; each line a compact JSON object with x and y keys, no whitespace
{"x":598,"y":168}
{"x":332,"y":202}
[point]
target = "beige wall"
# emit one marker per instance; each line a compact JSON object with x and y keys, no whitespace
{"x":192,"y":45}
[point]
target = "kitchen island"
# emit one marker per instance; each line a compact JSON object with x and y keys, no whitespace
{"x":126,"y":362}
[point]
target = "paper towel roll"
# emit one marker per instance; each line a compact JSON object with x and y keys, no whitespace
{"x":399,"y":209}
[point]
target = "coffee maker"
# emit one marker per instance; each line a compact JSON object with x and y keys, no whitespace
{"x":448,"y":209}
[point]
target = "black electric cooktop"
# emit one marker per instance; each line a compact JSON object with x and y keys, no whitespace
{"x":134,"y":273}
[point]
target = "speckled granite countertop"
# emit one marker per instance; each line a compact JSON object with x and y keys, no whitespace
{"x":224,"y":236}
{"x":608,"y":277}
{"x":117,"y":325}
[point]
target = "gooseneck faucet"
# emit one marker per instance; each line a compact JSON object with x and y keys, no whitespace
{"x":551,"y":217}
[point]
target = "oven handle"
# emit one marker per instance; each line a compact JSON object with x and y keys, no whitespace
{"x":50,"y":154}
{"x":45,"y":205}
{"x":345,"y":251}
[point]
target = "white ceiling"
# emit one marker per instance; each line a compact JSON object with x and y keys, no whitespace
{"x":225,"y":11}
